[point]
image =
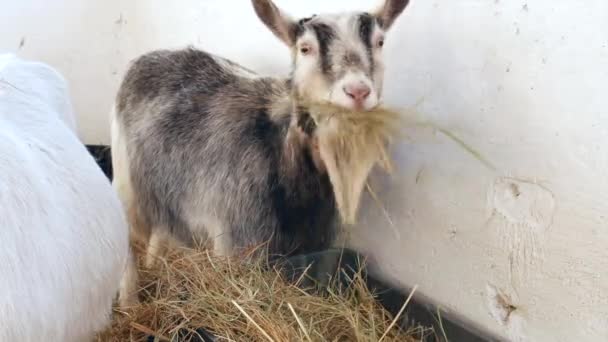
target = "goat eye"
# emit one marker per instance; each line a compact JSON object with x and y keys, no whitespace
{"x":381,"y":42}
{"x":304,"y":50}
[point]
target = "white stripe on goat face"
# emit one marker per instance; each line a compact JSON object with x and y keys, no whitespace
{"x":338,"y":59}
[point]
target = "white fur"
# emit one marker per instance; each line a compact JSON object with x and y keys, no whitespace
{"x":122,"y":185}
{"x":310,"y":82}
{"x":63,"y":234}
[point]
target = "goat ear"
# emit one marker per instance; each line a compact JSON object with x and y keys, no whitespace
{"x":276,"y":20}
{"x":390,"y":10}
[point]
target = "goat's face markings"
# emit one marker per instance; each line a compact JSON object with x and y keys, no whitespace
{"x":366,"y":25}
{"x":335,"y":58}
{"x":324,"y":34}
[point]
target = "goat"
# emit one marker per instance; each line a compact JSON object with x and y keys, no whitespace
{"x":64,"y":237}
{"x":202,"y":146}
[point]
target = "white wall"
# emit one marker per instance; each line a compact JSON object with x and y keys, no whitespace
{"x":524,"y":83}
{"x":85,"y":40}
{"x":526,"y":86}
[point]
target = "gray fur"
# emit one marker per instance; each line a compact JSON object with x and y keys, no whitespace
{"x":205,"y":147}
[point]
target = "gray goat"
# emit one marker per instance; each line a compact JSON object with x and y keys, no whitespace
{"x":204,"y":147}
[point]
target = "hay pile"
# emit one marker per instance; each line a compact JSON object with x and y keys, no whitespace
{"x":192,"y":289}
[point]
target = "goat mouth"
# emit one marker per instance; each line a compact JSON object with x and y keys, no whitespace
{"x":351,"y":143}
{"x":359,"y":107}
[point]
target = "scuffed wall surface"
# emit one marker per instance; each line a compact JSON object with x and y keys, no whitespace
{"x":520,"y":248}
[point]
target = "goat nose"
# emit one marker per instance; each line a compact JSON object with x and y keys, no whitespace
{"x":357,"y":92}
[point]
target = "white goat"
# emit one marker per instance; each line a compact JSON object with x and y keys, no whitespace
{"x":63,"y":235}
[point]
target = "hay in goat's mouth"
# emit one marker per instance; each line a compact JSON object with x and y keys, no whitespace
{"x":351,"y":143}
{"x":235,"y":301}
